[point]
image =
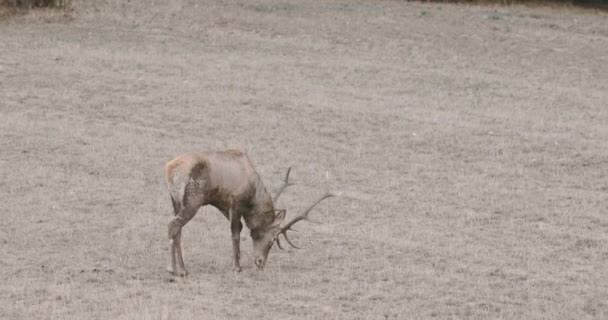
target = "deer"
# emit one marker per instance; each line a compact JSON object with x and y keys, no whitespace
{"x":228,"y":181}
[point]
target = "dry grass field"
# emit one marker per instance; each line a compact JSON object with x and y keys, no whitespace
{"x":470,"y":143}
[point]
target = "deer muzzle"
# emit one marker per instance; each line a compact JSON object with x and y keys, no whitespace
{"x":260,"y":262}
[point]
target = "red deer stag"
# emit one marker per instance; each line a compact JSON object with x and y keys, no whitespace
{"x":227,"y":181}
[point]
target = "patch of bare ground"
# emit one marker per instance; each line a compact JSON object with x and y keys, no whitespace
{"x":470,"y":144}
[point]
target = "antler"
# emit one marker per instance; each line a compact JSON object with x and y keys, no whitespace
{"x":300,"y":217}
{"x":282,"y":188}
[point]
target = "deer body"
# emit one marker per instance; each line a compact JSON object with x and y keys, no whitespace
{"x":198,"y":179}
{"x":228,"y":181}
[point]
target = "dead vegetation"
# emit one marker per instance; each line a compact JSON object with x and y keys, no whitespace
{"x":37,"y":10}
{"x":594,"y":4}
{"x":29,"y":4}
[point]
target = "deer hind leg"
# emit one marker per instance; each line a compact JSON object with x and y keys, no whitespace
{"x":178,"y":254}
{"x":175,"y":235}
{"x":235,"y":227}
{"x":176,"y":207}
{"x":187,"y":190}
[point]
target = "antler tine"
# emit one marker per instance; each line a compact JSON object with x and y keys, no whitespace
{"x":279,"y":244}
{"x":282,"y":188}
{"x":288,"y":241}
{"x":300,"y":217}
{"x":304,"y":215}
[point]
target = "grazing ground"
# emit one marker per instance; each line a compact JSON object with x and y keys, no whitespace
{"x":470,"y":143}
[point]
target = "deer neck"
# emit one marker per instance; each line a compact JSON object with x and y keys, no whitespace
{"x":260,"y":214}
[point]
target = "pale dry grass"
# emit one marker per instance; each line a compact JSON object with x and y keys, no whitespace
{"x":470,"y":143}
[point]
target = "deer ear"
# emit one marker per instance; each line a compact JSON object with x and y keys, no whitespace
{"x":279,"y":217}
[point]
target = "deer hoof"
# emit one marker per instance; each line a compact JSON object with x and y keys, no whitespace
{"x":180,"y":273}
{"x":170,"y":270}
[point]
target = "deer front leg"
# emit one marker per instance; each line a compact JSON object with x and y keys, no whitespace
{"x":235,"y":227}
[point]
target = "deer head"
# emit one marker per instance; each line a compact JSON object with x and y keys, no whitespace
{"x":263,"y":241}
